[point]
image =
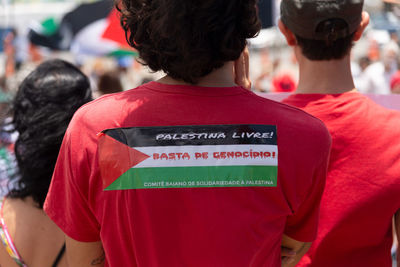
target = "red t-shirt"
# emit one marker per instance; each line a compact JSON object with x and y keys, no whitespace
{"x":363,"y":185}
{"x":222,"y":202}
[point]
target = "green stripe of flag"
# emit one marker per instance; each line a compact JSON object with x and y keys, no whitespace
{"x":194,"y":177}
{"x":122,"y":53}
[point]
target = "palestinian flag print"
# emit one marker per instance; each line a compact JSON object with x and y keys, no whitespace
{"x":189,"y":157}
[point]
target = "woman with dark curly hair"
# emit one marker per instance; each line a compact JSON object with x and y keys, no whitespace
{"x":42,"y":109}
{"x":183,"y":171}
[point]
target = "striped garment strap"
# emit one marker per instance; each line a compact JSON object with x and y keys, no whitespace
{"x":6,"y":239}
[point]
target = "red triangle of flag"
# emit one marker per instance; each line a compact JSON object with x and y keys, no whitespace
{"x":115,"y":158}
{"x":114,"y":30}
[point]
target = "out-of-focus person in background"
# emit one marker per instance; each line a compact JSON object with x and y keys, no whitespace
{"x":43,"y":106}
{"x":283,"y":83}
{"x":21,"y":57}
{"x":7,"y":157}
{"x":108,"y":82}
{"x":378,"y":74}
{"x":362,"y":192}
{"x":358,"y":70}
{"x":263,"y":83}
{"x":395,"y":83}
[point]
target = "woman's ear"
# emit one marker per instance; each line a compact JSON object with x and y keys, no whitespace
{"x":363,"y":24}
{"x":290,"y":37}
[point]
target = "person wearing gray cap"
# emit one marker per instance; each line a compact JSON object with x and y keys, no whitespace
{"x":362,"y":192}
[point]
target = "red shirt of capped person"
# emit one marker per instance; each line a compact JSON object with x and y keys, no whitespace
{"x":192,"y":169}
{"x":363,"y":183}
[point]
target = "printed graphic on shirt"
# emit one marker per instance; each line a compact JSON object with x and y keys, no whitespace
{"x":189,"y":157}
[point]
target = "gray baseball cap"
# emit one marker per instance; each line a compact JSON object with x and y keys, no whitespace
{"x":303,"y":16}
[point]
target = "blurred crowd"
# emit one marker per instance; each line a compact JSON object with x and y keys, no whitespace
{"x":375,"y":66}
{"x":273,"y":66}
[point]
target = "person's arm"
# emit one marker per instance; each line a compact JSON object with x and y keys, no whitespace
{"x":397,"y":229}
{"x":84,"y":254}
{"x":292,"y":251}
{"x":303,"y":223}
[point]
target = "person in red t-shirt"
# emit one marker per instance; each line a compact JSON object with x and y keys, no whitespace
{"x":395,"y":83}
{"x":362,"y":192}
{"x":192,"y":169}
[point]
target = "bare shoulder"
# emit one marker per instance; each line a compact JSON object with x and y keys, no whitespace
{"x":36,"y":237}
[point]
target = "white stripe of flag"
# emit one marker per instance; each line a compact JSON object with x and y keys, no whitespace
{"x":174,"y":156}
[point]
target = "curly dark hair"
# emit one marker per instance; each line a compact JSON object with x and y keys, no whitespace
{"x":188,"y":39}
{"x":42,"y":109}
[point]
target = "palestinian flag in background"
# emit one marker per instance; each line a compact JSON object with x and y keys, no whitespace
{"x":188,"y":157}
{"x":93,"y":28}
{"x":90,"y":29}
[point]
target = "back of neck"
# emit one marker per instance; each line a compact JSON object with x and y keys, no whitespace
{"x":325,"y":77}
{"x":221,"y":77}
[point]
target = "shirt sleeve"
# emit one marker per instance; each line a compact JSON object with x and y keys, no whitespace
{"x":302,"y":225}
{"x":68,"y":199}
